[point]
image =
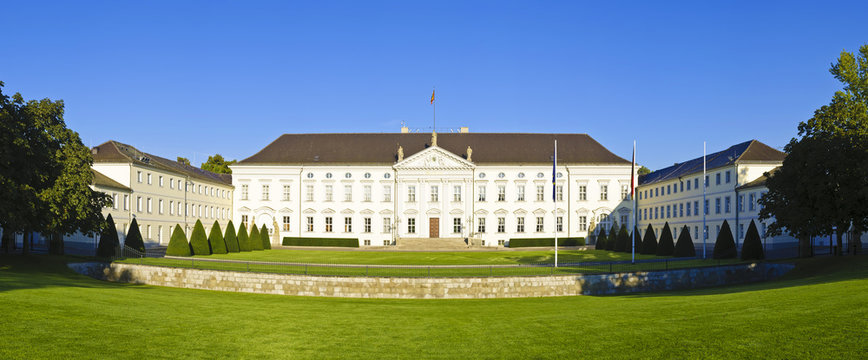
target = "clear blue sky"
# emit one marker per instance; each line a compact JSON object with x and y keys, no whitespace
{"x":196,"y":78}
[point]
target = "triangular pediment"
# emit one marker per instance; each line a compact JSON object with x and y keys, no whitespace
{"x":434,"y":158}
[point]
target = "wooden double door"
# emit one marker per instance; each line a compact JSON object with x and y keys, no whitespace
{"x":434,"y":227}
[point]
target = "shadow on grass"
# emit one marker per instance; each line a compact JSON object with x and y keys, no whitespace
{"x":19,"y":272}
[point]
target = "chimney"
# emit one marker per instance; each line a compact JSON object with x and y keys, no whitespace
{"x":464,"y":130}
{"x":404,"y":130}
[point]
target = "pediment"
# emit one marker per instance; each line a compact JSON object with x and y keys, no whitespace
{"x":264,"y":209}
{"x":433,"y":211}
{"x":456,"y":212}
{"x":539,"y":212}
{"x":328,"y":211}
{"x":501,"y":212}
{"x":434,"y":158}
{"x":366,"y":212}
{"x":386,"y":212}
{"x":347,"y":211}
{"x":285,"y":210}
{"x":244,"y":209}
{"x":309,"y":211}
{"x":481,"y":212}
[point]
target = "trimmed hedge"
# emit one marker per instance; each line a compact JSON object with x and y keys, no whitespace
{"x":255,"y":239}
{"x":178,"y":245}
{"x":568,"y":241}
{"x":134,"y":237}
{"x":724,"y":246}
{"x":666,"y":247}
{"x":623,"y":240}
{"x":636,"y":236}
{"x":613,"y":238}
{"x":684,"y":247}
{"x":601,"y":240}
{"x":198,"y":240}
{"x":307,"y":241}
{"x":215,"y":239}
{"x":243,"y":243}
{"x":649,"y":242}
{"x":230,"y":239}
{"x":263,"y":235}
{"x":108,"y":239}
{"x":752,"y":248}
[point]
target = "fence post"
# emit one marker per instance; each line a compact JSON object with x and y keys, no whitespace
{"x":248,"y":266}
{"x":305,"y":269}
{"x":429,"y":271}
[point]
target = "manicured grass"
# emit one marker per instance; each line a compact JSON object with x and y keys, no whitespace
{"x":820,"y":310}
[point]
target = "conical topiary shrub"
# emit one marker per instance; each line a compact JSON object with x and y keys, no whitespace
{"x":649,"y":242}
{"x":613,"y":237}
{"x":263,"y":234}
{"x":199,"y":241}
{"x":134,"y":238}
{"x":724,"y":246}
{"x":230,"y":239}
{"x":243,"y":243}
{"x":178,"y":245}
{"x":636,"y":238}
{"x":254,"y":239}
{"x":666,"y":247}
{"x":752,"y":248}
{"x":215,"y":239}
{"x":623,"y":239}
{"x":108,"y":239}
{"x":601,"y":240}
{"x":684,"y":247}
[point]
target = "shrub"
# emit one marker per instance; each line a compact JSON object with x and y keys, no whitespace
{"x":198,"y":240}
{"x":108,"y":239}
{"x":601,"y":240}
{"x":254,"y":239}
{"x":613,"y":237}
{"x":230,"y":239}
{"x":623,"y":239}
{"x":666,"y":247}
{"x":215,"y":239}
{"x":752,"y":248}
{"x":569,"y":241}
{"x":134,"y":237}
{"x":636,"y":237}
{"x":724,"y":246}
{"x":178,"y":245}
{"x":263,"y":234}
{"x":305,"y":241}
{"x":684,"y":247}
{"x":243,"y":243}
{"x":649,"y":242}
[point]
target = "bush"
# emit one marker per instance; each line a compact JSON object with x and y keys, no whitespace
{"x":613,"y":237}
{"x":254,"y":239}
{"x":215,"y":239}
{"x":569,"y":241}
{"x":243,"y":243}
{"x":108,"y":239}
{"x":724,"y":246}
{"x":230,"y":239}
{"x":198,"y":241}
{"x":134,"y":237}
{"x":306,"y":241}
{"x":178,"y":245}
{"x":263,"y":234}
{"x":666,"y":247}
{"x":601,"y":240}
{"x":684,"y":247}
{"x":636,"y":237}
{"x":752,"y":248}
{"x":649,"y":242}
{"x":623,"y":240}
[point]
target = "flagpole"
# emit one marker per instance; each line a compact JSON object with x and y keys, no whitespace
{"x":435,"y":109}
{"x":635,"y":204}
{"x":704,"y":210}
{"x":555,"y":199}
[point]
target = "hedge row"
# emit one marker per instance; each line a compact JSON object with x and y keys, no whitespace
{"x":569,"y":241}
{"x":308,"y":241}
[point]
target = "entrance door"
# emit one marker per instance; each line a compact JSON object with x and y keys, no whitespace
{"x":434,"y":227}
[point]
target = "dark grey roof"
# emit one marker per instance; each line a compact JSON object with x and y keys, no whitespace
{"x":103,"y":180}
{"x":383,"y":148}
{"x":751,"y":151}
{"x":113,"y":151}
{"x":760,"y":181}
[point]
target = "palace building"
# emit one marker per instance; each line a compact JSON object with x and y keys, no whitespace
{"x":379,"y":188}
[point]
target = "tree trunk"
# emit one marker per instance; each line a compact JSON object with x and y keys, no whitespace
{"x":55,"y":244}
{"x":805,"y":249}
{"x":25,"y":242}
{"x":839,"y":237}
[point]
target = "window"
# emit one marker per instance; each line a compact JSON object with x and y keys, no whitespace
{"x":740,"y":204}
{"x":179,"y":184}
{"x":328,"y":224}
{"x":705,"y":233}
{"x":149,"y":178}
{"x":706,"y":207}
{"x":160,"y":181}
{"x":559,"y":193}
{"x":160,"y":206}
{"x":500,"y":242}
{"x":139,"y":176}
{"x":559,"y":224}
{"x":644,"y":214}
{"x":265,"y":192}
{"x":688,"y":207}
{"x":727,"y":204}
{"x":751,"y":201}
{"x":681,"y":210}
{"x":386,"y":242}
{"x":706,"y":181}
{"x":200,"y":189}
{"x":624,"y":192}
{"x":435,"y":193}
{"x":717,"y":232}
{"x":688,"y":185}
{"x":656,"y":210}
{"x":171,"y":207}
{"x":763,"y":233}
{"x":387,"y":193}
{"x":656,"y":191}
{"x":604,"y":192}
{"x":308,"y":193}
{"x":624,"y":218}
{"x":501,"y":192}
{"x":411,"y":225}
{"x":367,"y":224}
{"x":367,"y":242}
{"x":456,"y":225}
{"x":310,"y":223}
{"x":583,"y":192}
{"x":695,"y":230}
{"x":114,"y":200}
{"x":387,"y":224}
{"x":583,"y":222}
{"x":348,"y":193}
{"x":329,"y":192}
{"x":540,"y":224}
{"x":717,"y":205}
{"x":519,"y":225}
{"x":481,"y":192}
{"x":456,"y":193}
{"x":520,"y":193}
{"x":717,"y":179}
{"x":179,"y":208}
{"x":540,"y":193}
{"x":348,"y":224}
{"x":286,"y":223}
{"x":480,"y":228}
{"x":668,"y":214}
{"x":728,"y":177}
{"x":740,"y":228}
{"x":244,"y":188}
{"x":668,"y":189}
{"x":150,"y":205}
{"x":244,"y":219}
{"x":681,"y":187}
{"x":501,"y":224}
{"x":411,"y":193}
{"x":367,"y":193}
{"x":286,"y":191}
{"x":696,"y":208}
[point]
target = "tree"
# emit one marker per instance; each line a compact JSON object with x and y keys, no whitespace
{"x":108,"y":241}
{"x":623,"y":239}
{"x":684,"y":246}
{"x":134,"y":238}
{"x":243,"y":243}
{"x":643,"y":171}
{"x":666,"y":247}
{"x":199,"y":241}
{"x":215,"y":239}
{"x":649,"y":242}
{"x":724,"y":246}
{"x":601,"y":240}
{"x":178,"y":245}
{"x":254,"y":239}
{"x":217,"y":164}
{"x":613,"y":237}
{"x":183,"y":160}
{"x":230,"y":238}
{"x":636,"y":240}
{"x":263,"y":235}
{"x":7,"y":241}
{"x":752,"y":247}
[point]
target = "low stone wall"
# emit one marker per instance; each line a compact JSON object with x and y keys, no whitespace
{"x":433,"y":288}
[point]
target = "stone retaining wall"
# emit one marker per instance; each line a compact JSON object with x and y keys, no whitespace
{"x":433,"y":288}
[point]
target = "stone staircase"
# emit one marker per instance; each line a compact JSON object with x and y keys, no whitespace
{"x":432,"y":244}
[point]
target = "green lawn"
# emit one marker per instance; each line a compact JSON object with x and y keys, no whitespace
{"x":820,"y":310}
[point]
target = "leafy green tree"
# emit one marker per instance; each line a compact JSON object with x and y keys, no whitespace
{"x":643,"y":171}
{"x":243,"y":239}
{"x":752,"y":247}
{"x":666,"y":247}
{"x":6,"y":241}
{"x":199,"y":241}
{"x":263,"y":235}
{"x":684,"y":247}
{"x":649,"y":242}
{"x":178,"y":245}
{"x":134,"y":237}
{"x":183,"y":160}
{"x":109,"y":244}
{"x":230,"y":238}
{"x":724,"y":246}
{"x":217,"y":164}
{"x":623,"y":239}
{"x":601,"y":240}
{"x":215,"y":239}
{"x":255,"y":240}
